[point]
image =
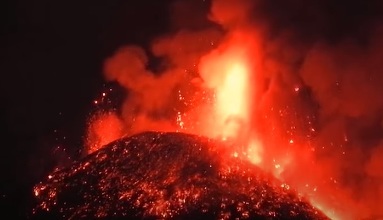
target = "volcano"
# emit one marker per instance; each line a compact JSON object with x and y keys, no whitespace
{"x":156,"y":175}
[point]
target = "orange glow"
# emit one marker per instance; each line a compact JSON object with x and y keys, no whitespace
{"x":227,"y":72}
{"x":103,"y":128}
{"x":232,"y":94}
{"x":254,"y":152}
{"x":232,"y":98}
{"x":230,"y":73}
{"x":250,"y":90}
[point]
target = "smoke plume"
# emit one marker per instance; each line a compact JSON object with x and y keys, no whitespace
{"x":316,"y":91}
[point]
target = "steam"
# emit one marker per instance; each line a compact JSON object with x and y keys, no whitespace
{"x":316,"y":96}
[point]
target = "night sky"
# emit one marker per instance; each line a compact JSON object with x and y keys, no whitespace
{"x":51,"y":57}
{"x":51,"y":67}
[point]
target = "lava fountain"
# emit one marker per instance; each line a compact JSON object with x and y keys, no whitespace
{"x":205,"y":177}
{"x":229,"y":75}
{"x":170,"y":175}
{"x":220,"y":133}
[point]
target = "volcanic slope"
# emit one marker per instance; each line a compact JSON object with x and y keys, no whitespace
{"x":156,"y":175}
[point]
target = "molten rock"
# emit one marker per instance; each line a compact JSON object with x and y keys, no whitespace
{"x":167,"y":175}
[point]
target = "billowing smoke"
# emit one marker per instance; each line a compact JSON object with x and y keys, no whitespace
{"x":315,"y":97}
{"x":156,"y":99}
{"x":345,"y":80}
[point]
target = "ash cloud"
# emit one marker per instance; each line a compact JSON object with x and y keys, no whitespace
{"x":346,"y":81}
{"x":155,"y":98}
{"x":318,"y":75}
{"x":322,"y":69}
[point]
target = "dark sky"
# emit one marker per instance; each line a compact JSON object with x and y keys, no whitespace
{"x":51,"y":56}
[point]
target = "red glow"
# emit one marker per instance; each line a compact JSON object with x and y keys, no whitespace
{"x":227,"y":73}
{"x":237,"y":91}
{"x":103,"y":129}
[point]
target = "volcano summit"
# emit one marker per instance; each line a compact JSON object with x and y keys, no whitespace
{"x":156,"y":175}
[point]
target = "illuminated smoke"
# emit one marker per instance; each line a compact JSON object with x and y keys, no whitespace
{"x":311,"y":98}
{"x":226,"y":71}
{"x":104,"y":127}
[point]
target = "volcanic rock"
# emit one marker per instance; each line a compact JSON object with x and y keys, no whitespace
{"x":156,"y":175}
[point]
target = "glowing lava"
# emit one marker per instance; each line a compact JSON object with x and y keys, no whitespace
{"x":220,"y":107}
{"x":227,"y":72}
{"x":231,"y":100}
{"x":156,"y":175}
